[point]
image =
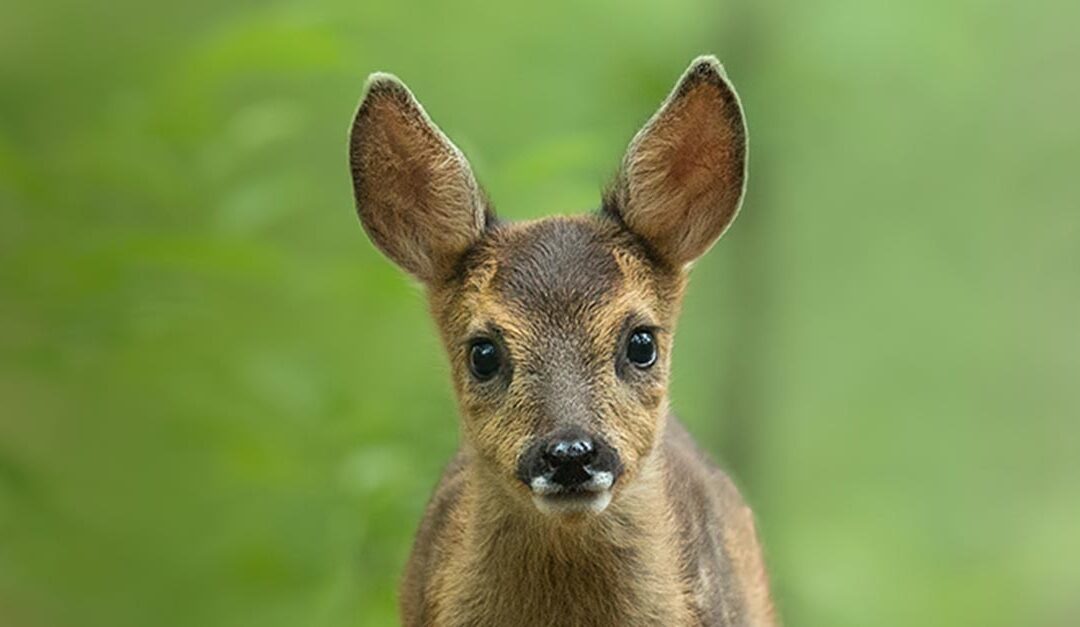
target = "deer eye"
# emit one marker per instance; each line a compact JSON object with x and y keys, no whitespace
{"x":483,"y":359}
{"x":641,"y":348}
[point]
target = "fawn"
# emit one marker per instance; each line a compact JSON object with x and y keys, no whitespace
{"x":576,"y":498}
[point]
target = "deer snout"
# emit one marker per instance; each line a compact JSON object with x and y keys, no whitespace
{"x":569,"y":459}
{"x":570,"y":471}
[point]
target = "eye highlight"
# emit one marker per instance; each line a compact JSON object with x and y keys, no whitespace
{"x":641,"y":348}
{"x":484,"y":360}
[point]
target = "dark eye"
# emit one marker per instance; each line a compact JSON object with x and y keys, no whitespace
{"x":641,"y":348}
{"x":483,"y":359}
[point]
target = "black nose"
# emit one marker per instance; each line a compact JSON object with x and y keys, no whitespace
{"x":568,"y":458}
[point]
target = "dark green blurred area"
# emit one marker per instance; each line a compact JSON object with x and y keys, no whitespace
{"x":219,"y":406}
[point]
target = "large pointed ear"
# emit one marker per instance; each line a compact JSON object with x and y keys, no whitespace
{"x":683,"y":175}
{"x":415,"y":192}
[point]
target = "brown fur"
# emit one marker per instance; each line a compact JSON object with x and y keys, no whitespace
{"x":399,"y":160}
{"x":683,"y":176}
{"x":676,"y":545}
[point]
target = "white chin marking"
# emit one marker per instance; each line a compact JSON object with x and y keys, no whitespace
{"x":600,"y":482}
{"x":582,"y":502}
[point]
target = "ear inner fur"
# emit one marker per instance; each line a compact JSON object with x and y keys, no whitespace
{"x":415,"y":192}
{"x":684,"y":173}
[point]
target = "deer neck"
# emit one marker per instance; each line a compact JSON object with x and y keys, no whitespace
{"x":619,"y":563}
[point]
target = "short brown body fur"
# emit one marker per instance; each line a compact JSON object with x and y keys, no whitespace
{"x":576,"y":498}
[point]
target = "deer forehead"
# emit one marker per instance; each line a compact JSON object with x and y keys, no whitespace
{"x":572,"y":277}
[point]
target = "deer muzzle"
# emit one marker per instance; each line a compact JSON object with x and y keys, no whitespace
{"x":570,"y":470}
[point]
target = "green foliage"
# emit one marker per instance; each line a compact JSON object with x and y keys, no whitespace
{"x":220,"y":406}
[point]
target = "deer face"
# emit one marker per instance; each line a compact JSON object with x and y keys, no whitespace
{"x":559,"y":331}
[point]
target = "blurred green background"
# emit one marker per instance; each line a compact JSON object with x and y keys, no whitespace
{"x":219,"y":406}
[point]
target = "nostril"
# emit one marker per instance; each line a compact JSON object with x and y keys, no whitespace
{"x":578,"y":451}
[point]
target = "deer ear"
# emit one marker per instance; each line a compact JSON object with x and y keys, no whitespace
{"x":683,"y":175}
{"x":415,"y":192}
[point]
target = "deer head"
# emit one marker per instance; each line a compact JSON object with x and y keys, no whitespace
{"x":559,"y":331}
